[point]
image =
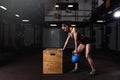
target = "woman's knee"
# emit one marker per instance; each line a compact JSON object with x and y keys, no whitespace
{"x":87,"y":57}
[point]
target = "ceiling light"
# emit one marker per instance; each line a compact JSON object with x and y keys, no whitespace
{"x":56,"y":6}
{"x":17,"y":15}
{"x":109,"y":12}
{"x":53,"y":24}
{"x":3,"y":7}
{"x":73,"y":25}
{"x":117,"y":14}
{"x":100,"y":21}
{"x":70,"y":5}
{"x":25,"y":20}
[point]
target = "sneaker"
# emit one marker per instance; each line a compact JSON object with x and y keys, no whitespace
{"x":92,"y":73}
{"x":74,"y":70}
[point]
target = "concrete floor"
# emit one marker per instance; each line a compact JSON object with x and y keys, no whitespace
{"x":28,"y":66}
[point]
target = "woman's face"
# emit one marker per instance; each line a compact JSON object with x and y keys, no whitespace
{"x":65,"y":27}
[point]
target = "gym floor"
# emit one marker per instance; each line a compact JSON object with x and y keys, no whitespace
{"x":27,"y":65}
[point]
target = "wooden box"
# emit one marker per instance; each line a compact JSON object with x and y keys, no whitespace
{"x":52,"y":61}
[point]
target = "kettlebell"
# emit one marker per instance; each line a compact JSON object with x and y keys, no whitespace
{"x":75,"y":57}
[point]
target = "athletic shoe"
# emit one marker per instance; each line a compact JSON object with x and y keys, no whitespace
{"x":92,"y":73}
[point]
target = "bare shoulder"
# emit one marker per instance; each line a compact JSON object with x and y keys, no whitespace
{"x":74,"y":30}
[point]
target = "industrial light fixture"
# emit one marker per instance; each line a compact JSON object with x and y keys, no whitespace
{"x":4,"y":8}
{"x":53,"y":24}
{"x":17,"y":15}
{"x":25,"y":20}
{"x":100,"y":21}
{"x":56,"y":6}
{"x":70,"y":5}
{"x":117,"y":14}
{"x":109,"y":12}
{"x":73,"y":25}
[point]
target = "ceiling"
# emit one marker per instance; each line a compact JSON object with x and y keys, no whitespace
{"x":32,"y":10}
{"x":27,"y":9}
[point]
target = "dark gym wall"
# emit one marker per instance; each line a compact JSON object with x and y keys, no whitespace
{"x":112,"y":43}
{"x":98,"y":37}
{"x":119,"y":36}
{"x":51,"y":37}
{"x":20,"y":35}
{"x":114,"y":35}
{"x":15,"y":34}
{"x":7,"y":35}
{"x":55,"y":37}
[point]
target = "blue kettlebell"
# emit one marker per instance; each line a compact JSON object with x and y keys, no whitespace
{"x":75,"y":57}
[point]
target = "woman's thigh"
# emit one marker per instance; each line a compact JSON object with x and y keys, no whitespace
{"x":81,"y":47}
{"x":88,"y":49}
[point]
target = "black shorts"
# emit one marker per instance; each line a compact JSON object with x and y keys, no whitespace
{"x":86,"y":40}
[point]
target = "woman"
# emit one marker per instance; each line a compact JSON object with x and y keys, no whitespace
{"x":81,"y":43}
